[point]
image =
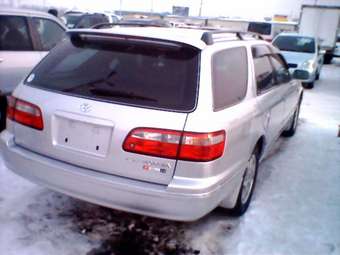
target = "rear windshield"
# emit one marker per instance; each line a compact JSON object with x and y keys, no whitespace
{"x":152,"y":75}
{"x":261,"y":28}
{"x":295,"y":43}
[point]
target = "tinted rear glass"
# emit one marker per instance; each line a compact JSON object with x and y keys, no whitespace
{"x":149,"y":75}
{"x":230,"y":77}
{"x":295,"y":43}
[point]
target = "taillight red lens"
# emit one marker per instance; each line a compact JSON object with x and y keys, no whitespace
{"x":176,"y":144}
{"x":202,"y":146}
{"x":155,"y":142}
{"x":24,"y":113}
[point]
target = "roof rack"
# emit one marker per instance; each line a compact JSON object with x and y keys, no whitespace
{"x":208,"y":37}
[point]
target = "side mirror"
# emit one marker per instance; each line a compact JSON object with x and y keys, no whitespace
{"x":283,"y":76}
{"x":299,"y":74}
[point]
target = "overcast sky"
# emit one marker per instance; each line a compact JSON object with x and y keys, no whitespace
{"x":242,"y":8}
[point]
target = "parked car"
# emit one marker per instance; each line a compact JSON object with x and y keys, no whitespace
{"x":25,"y":38}
{"x":301,"y":52}
{"x":166,"y":122}
{"x":80,"y":19}
{"x":270,"y":29}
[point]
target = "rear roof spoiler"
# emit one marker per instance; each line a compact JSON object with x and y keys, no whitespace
{"x":86,"y":36}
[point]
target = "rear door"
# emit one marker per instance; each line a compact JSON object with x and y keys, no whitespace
{"x":92,"y":93}
{"x":285,"y":86}
{"x":17,"y":51}
{"x":269,"y":97}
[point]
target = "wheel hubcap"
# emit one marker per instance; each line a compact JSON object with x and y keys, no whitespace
{"x":248,"y":179}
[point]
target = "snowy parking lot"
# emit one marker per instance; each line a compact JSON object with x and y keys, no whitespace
{"x":295,"y":209}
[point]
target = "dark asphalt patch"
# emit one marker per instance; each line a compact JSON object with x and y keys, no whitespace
{"x":120,"y":233}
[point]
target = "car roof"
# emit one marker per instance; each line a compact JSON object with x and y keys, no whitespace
{"x":188,"y":36}
{"x":24,"y":12}
{"x":29,"y":13}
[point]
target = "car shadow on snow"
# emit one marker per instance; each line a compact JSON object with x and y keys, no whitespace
{"x":125,"y":233}
{"x":108,"y":231}
{"x":53,"y":216}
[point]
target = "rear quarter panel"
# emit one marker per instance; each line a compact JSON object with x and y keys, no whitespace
{"x":237,"y":121}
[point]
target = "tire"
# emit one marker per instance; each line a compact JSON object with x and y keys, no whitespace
{"x":317,"y":77}
{"x":327,"y":59}
{"x":308,"y":85}
{"x":247,"y":186}
{"x":293,"y":123}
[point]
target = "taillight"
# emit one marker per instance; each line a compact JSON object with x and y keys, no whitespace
{"x":176,"y":144}
{"x":202,"y":146}
{"x":24,"y":113}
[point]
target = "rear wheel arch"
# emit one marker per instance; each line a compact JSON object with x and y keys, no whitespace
{"x":248,"y":182}
{"x":230,"y":205}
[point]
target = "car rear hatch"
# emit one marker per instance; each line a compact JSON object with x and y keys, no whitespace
{"x":93,"y":90}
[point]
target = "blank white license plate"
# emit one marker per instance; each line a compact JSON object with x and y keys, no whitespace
{"x":83,"y":137}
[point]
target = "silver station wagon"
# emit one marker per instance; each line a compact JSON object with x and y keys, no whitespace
{"x":165,"y":122}
{"x":26,"y":36}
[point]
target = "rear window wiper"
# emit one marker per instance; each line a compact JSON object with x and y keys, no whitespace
{"x":121,"y":94}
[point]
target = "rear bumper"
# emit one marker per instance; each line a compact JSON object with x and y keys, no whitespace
{"x":113,"y":191}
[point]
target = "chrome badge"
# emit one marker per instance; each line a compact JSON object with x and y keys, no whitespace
{"x":85,"y":107}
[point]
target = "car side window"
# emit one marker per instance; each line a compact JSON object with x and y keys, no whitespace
{"x":50,"y":33}
{"x":281,"y":71}
{"x":263,"y":72}
{"x":14,"y":35}
{"x":230,"y":77}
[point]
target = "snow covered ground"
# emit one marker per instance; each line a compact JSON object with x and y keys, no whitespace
{"x":295,"y":210}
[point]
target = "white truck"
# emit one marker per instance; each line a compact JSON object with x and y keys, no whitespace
{"x":323,"y":22}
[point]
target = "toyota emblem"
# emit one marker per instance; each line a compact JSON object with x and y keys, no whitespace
{"x":85,"y":107}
